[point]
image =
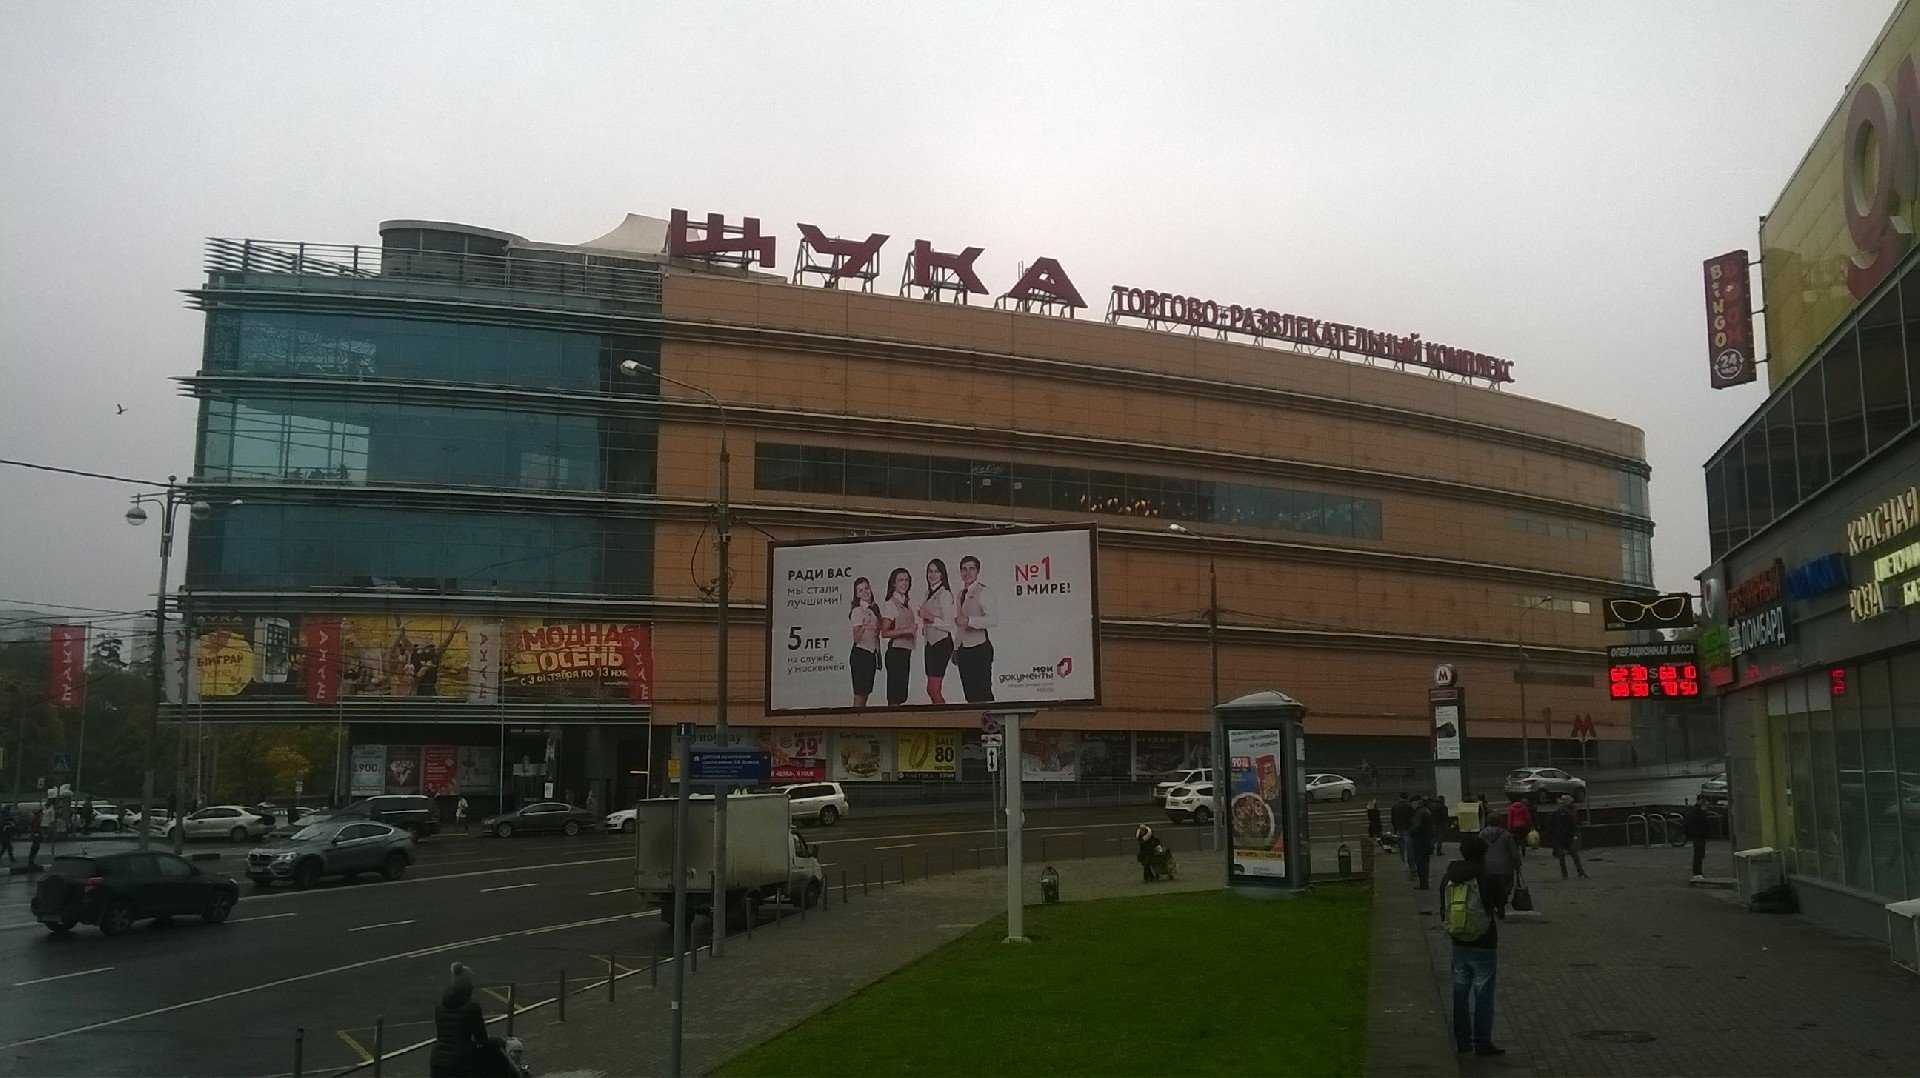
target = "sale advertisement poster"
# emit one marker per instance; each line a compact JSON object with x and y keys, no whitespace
{"x":927,"y":754}
{"x":942,"y":621}
{"x":1257,"y":809}
{"x":798,"y":755}
{"x":369,"y":770}
{"x":439,"y":770}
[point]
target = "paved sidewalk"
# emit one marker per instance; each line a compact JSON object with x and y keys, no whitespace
{"x":1633,"y":972}
{"x":782,"y":975}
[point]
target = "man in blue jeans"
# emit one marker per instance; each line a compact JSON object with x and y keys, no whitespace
{"x":1475,"y":961}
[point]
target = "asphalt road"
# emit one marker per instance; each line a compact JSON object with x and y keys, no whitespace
{"x":225,"y":999}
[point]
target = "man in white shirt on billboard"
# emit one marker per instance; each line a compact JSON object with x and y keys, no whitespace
{"x":973,"y":617}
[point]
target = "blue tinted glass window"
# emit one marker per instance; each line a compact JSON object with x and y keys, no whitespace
{"x":354,"y":346}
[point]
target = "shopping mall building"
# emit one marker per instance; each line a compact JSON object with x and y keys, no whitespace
{"x":1813,"y":597}
{"x":465,"y":488}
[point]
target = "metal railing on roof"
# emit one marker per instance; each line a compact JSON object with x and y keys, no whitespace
{"x":554,"y":273}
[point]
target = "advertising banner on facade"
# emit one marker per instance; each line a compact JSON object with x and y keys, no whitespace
{"x":484,"y":645}
{"x":1257,"y":811}
{"x":927,"y":754}
{"x":439,"y":770}
{"x":940,"y":621}
{"x":862,"y":755}
{"x":246,"y":657}
{"x":798,"y":755}
{"x":577,"y":660}
{"x":321,"y":649}
{"x":1049,"y":755}
{"x":403,"y":769}
{"x":369,"y":770}
{"x":67,"y":677}
{"x":1729,"y":321}
{"x":1104,"y":755}
{"x":404,"y":656}
{"x":476,"y":770}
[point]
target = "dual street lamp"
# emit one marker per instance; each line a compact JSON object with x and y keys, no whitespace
{"x":167,"y":501}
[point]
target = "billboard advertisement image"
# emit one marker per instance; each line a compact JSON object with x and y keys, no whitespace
{"x":927,"y":754}
{"x":962,"y":620}
{"x":576,"y":660}
{"x":1049,"y":755}
{"x":798,"y":755}
{"x":862,"y":755}
{"x":439,"y":769}
{"x":369,"y":770}
{"x":1257,"y":809}
{"x":394,"y":655}
{"x":476,"y":770}
{"x":403,"y":769}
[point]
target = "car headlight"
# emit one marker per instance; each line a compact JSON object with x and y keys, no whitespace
{"x":288,"y":856}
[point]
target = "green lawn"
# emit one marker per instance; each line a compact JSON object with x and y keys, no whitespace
{"x":1200,"y":983}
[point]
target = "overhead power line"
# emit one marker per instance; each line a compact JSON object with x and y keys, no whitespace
{"x":83,"y":474}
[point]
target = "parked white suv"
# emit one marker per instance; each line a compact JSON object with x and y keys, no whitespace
{"x":1181,"y":778}
{"x":1534,"y":783}
{"x":620,"y":820}
{"x":1196,"y":803}
{"x":822,"y":801}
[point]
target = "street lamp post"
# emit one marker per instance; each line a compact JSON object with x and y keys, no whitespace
{"x":136,"y":516}
{"x":723,"y":531}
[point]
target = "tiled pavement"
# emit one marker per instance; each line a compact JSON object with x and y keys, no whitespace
{"x":1633,"y":972}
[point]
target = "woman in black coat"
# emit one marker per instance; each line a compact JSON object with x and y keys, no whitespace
{"x":459,"y":1029}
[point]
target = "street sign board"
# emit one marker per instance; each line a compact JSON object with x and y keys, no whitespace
{"x":990,"y":724}
{"x":993,"y":759}
{"x":731,"y":765}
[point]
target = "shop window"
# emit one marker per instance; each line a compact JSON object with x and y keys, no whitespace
{"x":1071,"y":490}
{"x":992,"y":484}
{"x":1782,"y":461}
{"x":1810,"y":432}
{"x":1108,"y":491}
{"x":823,"y":469}
{"x":1846,"y":426}
{"x":1906,"y":751}
{"x":1716,"y":509}
{"x":1826,"y":793}
{"x":1736,"y":476}
{"x":1753,"y":448}
{"x":1032,"y":486}
{"x":907,"y":476}
{"x":866,"y":474}
{"x":1366,"y":519}
{"x":948,"y":479}
{"x":1910,"y":337}
{"x":1883,"y":372}
{"x":1806,"y":849}
{"x":776,"y":467}
{"x":1882,"y":785}
{"x":1851,"y":782}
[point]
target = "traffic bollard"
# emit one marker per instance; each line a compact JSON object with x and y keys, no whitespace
{"x":926,"y":873}
{"x":863,"y":877}
{"x":299,"y":1050}
{"x":883,"y":872}
{"x":379,"y":1043}
{"x":511,"y":996}
{"x":693,"y":958}
{"x":843,"y":887}
{"x":653,"y":970}
{"x":563,"y":994}
{"x":613,"y":975}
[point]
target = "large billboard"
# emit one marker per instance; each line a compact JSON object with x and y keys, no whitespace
{"x":577,"y":660}
{"x":959,"y":620}
{"x":1845,"y":218}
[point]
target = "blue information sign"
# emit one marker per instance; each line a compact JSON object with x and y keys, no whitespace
{"x":732,"y":765}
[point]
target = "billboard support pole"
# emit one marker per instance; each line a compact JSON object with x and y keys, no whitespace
{"x":1011,"y":766}
{"x":682,"y":735}
{"x":723,"y":527}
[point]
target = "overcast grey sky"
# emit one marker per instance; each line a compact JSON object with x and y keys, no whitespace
{"x":1535,"y":181}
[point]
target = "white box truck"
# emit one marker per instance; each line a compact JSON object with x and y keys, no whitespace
{"x":767,"y":860}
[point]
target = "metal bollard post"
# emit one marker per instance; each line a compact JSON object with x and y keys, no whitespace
{"x":379,"y":1043}
{"x":511,"y":1008}
{"x":613,"y":975}
{"x":653,"y":969}
{"x":863,"y":877}
{"x":693,"y":957}
{"x":299,"y":1050}
{"x":883,"y":872}
{"x":926,"y":871}
{"x":563,"y":993}
{"x":843,"y":887}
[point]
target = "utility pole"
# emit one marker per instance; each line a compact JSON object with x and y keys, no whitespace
{"x":19,"y":734}
{"x":723,"y":527}
{"x":1213,"y":635}
{"x":159,"y":649}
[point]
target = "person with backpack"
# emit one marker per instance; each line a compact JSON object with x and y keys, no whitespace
{"x":1420,"y":841}
{"x":1520,"y":822}
{"x":1401,"y":817}
{"x":1563,"y":834}
{"x":1502,"y":863}
{"x":1467,"y":913}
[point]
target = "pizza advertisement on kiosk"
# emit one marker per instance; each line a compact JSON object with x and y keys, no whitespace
{"x":1257,"y":804}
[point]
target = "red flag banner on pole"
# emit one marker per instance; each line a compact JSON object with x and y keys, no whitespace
{"x":636,"y":658}
{"x":320,"y":641}
{"x":67,"y":680}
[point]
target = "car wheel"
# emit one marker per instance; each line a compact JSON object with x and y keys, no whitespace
{"x":238,"y":834}
{"x":829,"y":816}
{"x":63,"y":926}
{"x":117,"y":918}
{"x":1346,"y":794}
{"x":570,"y":828}
{"x":1580,"y":794}
{"x":306,"y":873}
{"x":394,"y":867}
{"x":627,"y":828}
{"x":503,"y":830}
{"x":1203,"y":816}
{"x":217,"y":909}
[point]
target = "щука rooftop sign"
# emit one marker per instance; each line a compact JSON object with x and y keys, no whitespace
{"x":1046,"y":287}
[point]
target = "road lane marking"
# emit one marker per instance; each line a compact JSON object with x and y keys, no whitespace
{"x":435,"y":879}
{"x":365,"y":1056}
{"x":506,"y":887}
{"x":262,"y":917}
{"x":956,"y":834}
{"x":401,"y":956}
{"x":382,"y":924}
{"x":615,"y":891}
{"x":902,"y":846}
{"x":61,"y":977}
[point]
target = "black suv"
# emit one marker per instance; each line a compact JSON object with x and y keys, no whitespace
{"x":117,"y":889}
{"x":412,"y":813}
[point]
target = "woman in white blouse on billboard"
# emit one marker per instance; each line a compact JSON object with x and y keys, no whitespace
{"x":897,"y":625}
{"x":936,"y":629}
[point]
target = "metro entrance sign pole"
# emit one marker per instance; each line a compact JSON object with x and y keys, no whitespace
{"x":1016,"y":824}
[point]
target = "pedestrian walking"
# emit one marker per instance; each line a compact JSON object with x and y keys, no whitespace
{"x":1563,"y":834}
{"x":1374,"y":826}
{"x":459,"y":1028}
{"x":460,"y":813}
{"x":1520,"y":822}
{"x":1442,"y":823}
{"x":1502,"y":862}
{"x":6,"y":833}
{"x":36,"y":827}
{"x":1401,"y":817}
{"x":1469,"y":918}
{"x":1420,"y":842}
{"x":1698,"y":825}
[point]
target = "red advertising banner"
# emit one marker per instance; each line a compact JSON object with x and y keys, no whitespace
{"x":636,"y":658}
{"x":67,"y":679}
{"x":320,"y":640}
{"x":1729,"y":320}
{"x":439,"y":770}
